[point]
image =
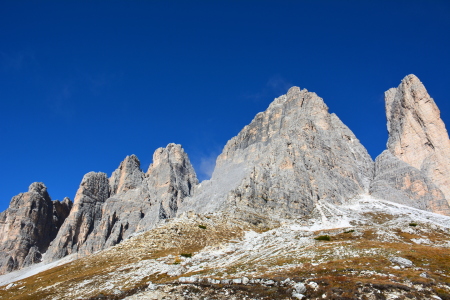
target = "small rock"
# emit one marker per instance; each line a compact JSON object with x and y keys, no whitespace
{"x":423,"y":275}
{"x":269,"y":282}
{"x":10,"y":285}
{"x":314,"y":285}
{"x":245,"y":280}
{"x":237,"y":281}
{"x":298,"y":296}
{"x":401,"y":261}
{"x":300,"y":288}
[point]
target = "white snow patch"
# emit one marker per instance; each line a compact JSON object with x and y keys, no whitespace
{"x":34,"y":269}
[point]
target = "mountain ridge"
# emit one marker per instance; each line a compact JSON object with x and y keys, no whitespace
{"x":291,"y":161}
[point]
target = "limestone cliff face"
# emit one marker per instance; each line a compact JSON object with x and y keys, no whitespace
{"x":84,"y":216}
{"x":136,"y":202}
{"x":128,"y":176}
{"x":288,"y":159}
{"x":400,"y":182}
{"x":28,"y":226}
{"x":417,"y":135}
{"x":171,"y":178}
{"x":415,"y":170}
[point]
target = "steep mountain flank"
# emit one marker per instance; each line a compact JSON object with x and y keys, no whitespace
{"x":28,"y":226}
{"x":416,"y":171}
{"x":286,"y":161}
{"x":129,"y":202}
{"x":399,"y":182}
{"x":83,"y":218}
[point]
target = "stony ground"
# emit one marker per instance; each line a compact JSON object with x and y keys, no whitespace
{"x":368,"y":249}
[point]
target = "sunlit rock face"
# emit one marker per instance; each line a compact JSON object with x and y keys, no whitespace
{"x":28,"y":226}
{"x":400,"y":182}
{"x":417,"y":135}
{"x":107,"y":211}
{"x":289,"y":158}
{"x":418,"y":138}
{"x":84,"y":216}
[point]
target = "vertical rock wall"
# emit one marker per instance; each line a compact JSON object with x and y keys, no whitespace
{"x":28,"y":226}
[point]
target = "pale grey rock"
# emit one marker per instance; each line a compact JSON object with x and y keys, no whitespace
{"x":299,"y":288}
{"x":397,"y":181}
{"x":135,"y":202}
{"x":83,"y":218}
{"x":171,"y":178}
{"x":417,"y":135}
{"x":290,"y":157}
{"x":128,"y":176}
{"x":28,"y":226}
{"x":298,"y":296}
{"x":403,"y":262}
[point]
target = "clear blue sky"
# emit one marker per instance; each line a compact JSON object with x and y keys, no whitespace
{"x":83,"y":84}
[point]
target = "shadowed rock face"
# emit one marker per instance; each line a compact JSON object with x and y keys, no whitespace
{"x":400,"y":182}
{"x":415,"y":170}
{"x":28,"y":226}
{"x":170,"y":178}
{"x":287,"y":159}
{"x":417,"y":135}
{"x":136,"y":202}
{"x":83,"y":218}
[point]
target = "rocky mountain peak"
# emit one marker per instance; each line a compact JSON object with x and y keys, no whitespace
{"x":286,"y":160}
{"x":417,"y":134}
{"x":28,"y":226}
{"x":171,"y":171}
{"x":38,"y":187}
{"x":127,"y":176}
{"x":83,"y":218}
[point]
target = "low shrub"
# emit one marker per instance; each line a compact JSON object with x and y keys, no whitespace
{"x":413,"y":224}
{"x":349,"y":231}
{"x":186,"y":255}
{"x":202,"y":226}
{"x":323,"y":238}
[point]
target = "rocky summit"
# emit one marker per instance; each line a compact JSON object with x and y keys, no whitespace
{"x":28,"y":227}
{"x":295,"y":209}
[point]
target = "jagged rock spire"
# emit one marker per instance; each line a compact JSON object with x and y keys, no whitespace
{"x":417,"y":171}
{"x":417,"y":134}
{"x":28,"y":226}
{"x":83,"y":218}
{"x":104,"y":215}
{"x":127,"y":176}
{"x":172,"y":177}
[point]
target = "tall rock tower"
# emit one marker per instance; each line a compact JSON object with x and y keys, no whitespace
{"x":415,"y":168}
{"x":28,"y":226}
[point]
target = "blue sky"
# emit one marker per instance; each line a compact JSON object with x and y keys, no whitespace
{"x":83,"y":84}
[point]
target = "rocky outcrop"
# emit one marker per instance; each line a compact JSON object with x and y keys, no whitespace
{"x":128,"y":176}
{"x":417,"y":135}
{"x":286,"y":161}
{"x":136,"y":202}
{"x":28,"y":226}
{"x":415,"y":170}
{"x":171,"y":178}
{"x":84,"y":216}
{"x":400,"y":182}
